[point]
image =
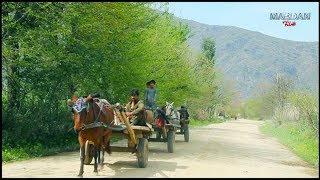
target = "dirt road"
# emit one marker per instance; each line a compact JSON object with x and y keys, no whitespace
{"x":231,"y":149}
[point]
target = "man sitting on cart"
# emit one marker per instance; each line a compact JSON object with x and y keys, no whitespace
{"x":135,"y":109}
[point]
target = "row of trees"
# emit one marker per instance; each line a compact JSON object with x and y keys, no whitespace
{"x":53,"y":50}
{"x":214,"y":94}
{"x":282,"y":103}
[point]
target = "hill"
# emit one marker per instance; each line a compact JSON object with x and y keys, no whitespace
{"x":250,"y":58}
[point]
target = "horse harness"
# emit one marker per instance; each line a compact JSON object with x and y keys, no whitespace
{"x":97,"y":122}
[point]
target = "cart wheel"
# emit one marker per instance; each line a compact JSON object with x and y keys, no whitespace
{"x":142,"y":152}
{"x":88,"y":155}
{"x":186,"y":133}
{"x":171,"y":140}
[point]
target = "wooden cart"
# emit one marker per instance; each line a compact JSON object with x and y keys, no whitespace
{"x":137,"y":139}
{"x":166,"y":133}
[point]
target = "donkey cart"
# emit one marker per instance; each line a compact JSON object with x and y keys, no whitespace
{"x":137,"y":137}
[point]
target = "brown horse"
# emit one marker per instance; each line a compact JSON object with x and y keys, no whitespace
{"x":85,"y":112}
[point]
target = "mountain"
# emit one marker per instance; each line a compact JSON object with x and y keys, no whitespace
{"x":250,"y":58}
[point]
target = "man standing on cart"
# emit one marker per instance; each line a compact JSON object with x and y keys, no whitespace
{"x":150,"y":95}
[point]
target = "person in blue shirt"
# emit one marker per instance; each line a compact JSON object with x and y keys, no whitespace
{"x":150,"y":95}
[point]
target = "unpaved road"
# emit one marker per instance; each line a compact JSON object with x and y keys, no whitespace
{"x":231,"y":149}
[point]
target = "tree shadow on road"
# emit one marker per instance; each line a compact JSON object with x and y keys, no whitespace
{"x":153,"y":169}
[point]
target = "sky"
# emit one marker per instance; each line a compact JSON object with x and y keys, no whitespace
{"x":254,"y":16}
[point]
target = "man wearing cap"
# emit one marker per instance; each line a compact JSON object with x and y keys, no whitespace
{"x":150,"y":95}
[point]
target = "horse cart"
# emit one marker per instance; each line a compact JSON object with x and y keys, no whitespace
{"x":137,"y":137}
{"x":166,"y":128}
{"x":165,"y":133}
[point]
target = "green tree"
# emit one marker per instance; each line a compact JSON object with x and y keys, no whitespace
{"x":53,"y":50}
{"x":308,"y":106}
{"x":209,"y":49}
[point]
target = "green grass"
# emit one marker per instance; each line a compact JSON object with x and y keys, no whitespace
{"x":302,"y":142}
{"x":38,"y":150}
{"x":199,"y":123}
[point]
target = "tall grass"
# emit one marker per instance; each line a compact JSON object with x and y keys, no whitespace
{"x":29,"y":151}
{"x":302,"y":141}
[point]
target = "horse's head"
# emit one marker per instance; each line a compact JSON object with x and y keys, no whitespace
{"x":81,"y":108}
{"x":169,"y":108}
